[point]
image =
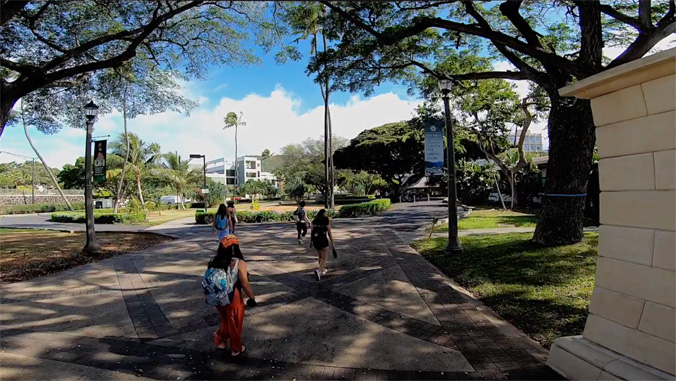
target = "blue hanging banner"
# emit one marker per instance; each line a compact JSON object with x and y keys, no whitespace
{"x":434,"y":149}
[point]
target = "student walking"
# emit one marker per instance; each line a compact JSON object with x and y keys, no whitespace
{"x":321,"y":237}
{"x":222,"y":222}
{"x":223,"y":283}
{"x":300,"y":216}
{"x":233,"y":215}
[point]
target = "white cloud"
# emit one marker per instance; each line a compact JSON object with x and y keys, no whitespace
{"x":273,"y":120}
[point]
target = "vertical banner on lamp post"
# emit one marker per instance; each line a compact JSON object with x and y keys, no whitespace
{"x":434,"y":150}
{"x":100,"y":161}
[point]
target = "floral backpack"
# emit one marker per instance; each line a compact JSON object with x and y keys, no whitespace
{"x":219,"y":284}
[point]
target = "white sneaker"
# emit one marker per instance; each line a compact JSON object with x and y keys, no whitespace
{"x":318,"y":275}
{"x":300,"y":241}
{"x":325,"y":271}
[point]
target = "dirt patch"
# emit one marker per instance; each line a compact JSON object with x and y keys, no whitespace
{"x":27,"y":254}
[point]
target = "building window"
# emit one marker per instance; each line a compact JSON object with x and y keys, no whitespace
{"x":251,"y":174}
{"x":231,"y":181}
{"x":231,"y":173}
{"x":250,"y":165}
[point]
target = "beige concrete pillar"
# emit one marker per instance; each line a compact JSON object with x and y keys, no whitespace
{"x":631,"y":328}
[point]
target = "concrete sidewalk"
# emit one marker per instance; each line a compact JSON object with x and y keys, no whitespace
{"x":382,"y":312}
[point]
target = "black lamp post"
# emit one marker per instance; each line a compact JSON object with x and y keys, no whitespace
{"x":453,"y":243}
{"x":91,"y":109}
{"x":204,"y":168}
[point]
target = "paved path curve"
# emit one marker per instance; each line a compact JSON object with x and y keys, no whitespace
{"x":383,"y":312}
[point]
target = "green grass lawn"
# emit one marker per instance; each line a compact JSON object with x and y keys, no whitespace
{"x":491,"y":219}
{"x":544,"y":291}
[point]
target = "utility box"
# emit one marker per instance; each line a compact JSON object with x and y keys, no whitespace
{"x":103,"y":203}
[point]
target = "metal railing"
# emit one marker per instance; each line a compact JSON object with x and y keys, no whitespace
{"x":44,"y":192}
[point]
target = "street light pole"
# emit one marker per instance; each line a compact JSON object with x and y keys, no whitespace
{"x":204,"y":172}
{"x":33,"y":182}
{"x":91,"y":246}
{"x":453,"y":246}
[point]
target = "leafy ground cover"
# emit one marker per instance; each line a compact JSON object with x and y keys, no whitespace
{"x":544,"y":291}
{"x":29,"y":253}
{"x":492,"y":219}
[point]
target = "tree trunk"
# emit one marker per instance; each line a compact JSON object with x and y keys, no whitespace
{"x":44,"y":163}
{"x":571,"y":137}
{"x":512,"y":186}
{"x":7,"y":102}
{"x":140,"y":192}
{"x":126,"y":154}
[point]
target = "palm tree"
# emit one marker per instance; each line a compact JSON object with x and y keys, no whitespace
{"x":231,"y":120}
{"x":141,"y":156}
{"x":175,"y":172}
{"x":307,"y":21}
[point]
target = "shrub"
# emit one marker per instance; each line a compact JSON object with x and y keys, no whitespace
{"x":101,"y":216}
{"x":256,"y":217}
{"x":370,"y":208}
{"x":39,"y":208}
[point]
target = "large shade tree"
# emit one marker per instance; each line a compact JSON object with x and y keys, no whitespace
{"x":53,"y":52}
{"x":550,"y":43}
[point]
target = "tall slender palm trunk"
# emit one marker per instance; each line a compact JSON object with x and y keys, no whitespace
{"x":118,"y":195}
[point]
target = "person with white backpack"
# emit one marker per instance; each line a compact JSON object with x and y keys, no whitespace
{"x":222,"y":222}
{"x":222,"y":284}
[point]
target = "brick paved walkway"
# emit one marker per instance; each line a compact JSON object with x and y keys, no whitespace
{"x":383,"y":312}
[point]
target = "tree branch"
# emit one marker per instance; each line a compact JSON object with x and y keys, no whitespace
{"x":513,"y":58}
{"x":19,"y":68}
{"x":423,"y":23}
{"x":644,"y":13}
{"x":510,"y":9}
{"x":644,"y":42}
{"x":9,"y":8}
{"x":591,"y":44}
{"x":619,"y":16}
{"x":141,"y":31}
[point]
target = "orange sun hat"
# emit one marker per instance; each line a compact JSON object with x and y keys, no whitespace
{"x":229,"y":240}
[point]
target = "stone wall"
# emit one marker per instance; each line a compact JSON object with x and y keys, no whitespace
{"x":633,"y":306}
{"x":42,"y":199}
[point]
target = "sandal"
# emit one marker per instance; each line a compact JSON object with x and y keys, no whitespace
{"x":235,"y":354}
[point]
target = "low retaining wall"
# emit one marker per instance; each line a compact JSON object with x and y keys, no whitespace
{"x":39,"y":199}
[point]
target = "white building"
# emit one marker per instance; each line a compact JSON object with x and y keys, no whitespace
{"x":225,"y":172}
{"x":532,"y":142}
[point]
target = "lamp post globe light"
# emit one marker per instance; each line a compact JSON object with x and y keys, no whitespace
{"x":453,"y":246}
{"x":91,"y":110}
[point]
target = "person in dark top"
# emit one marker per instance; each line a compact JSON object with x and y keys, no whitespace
{"x":229,"y":258}
{"x":321,"y":237}
{"x":301,"y":221}
{"x":233,"y":215}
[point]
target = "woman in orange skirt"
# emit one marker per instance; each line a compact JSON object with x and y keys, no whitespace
{"x":229,"y":258}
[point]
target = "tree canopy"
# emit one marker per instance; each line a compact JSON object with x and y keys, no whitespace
{"x":550,"y":43}
{"x":63,"y":48}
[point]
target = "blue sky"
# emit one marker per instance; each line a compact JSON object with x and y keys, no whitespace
{"x":281,"y":106}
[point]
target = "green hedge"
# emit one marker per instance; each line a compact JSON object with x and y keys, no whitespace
{"x":370,"y":208}
{"x":100,"y":217}
{"x":38,"y":208}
